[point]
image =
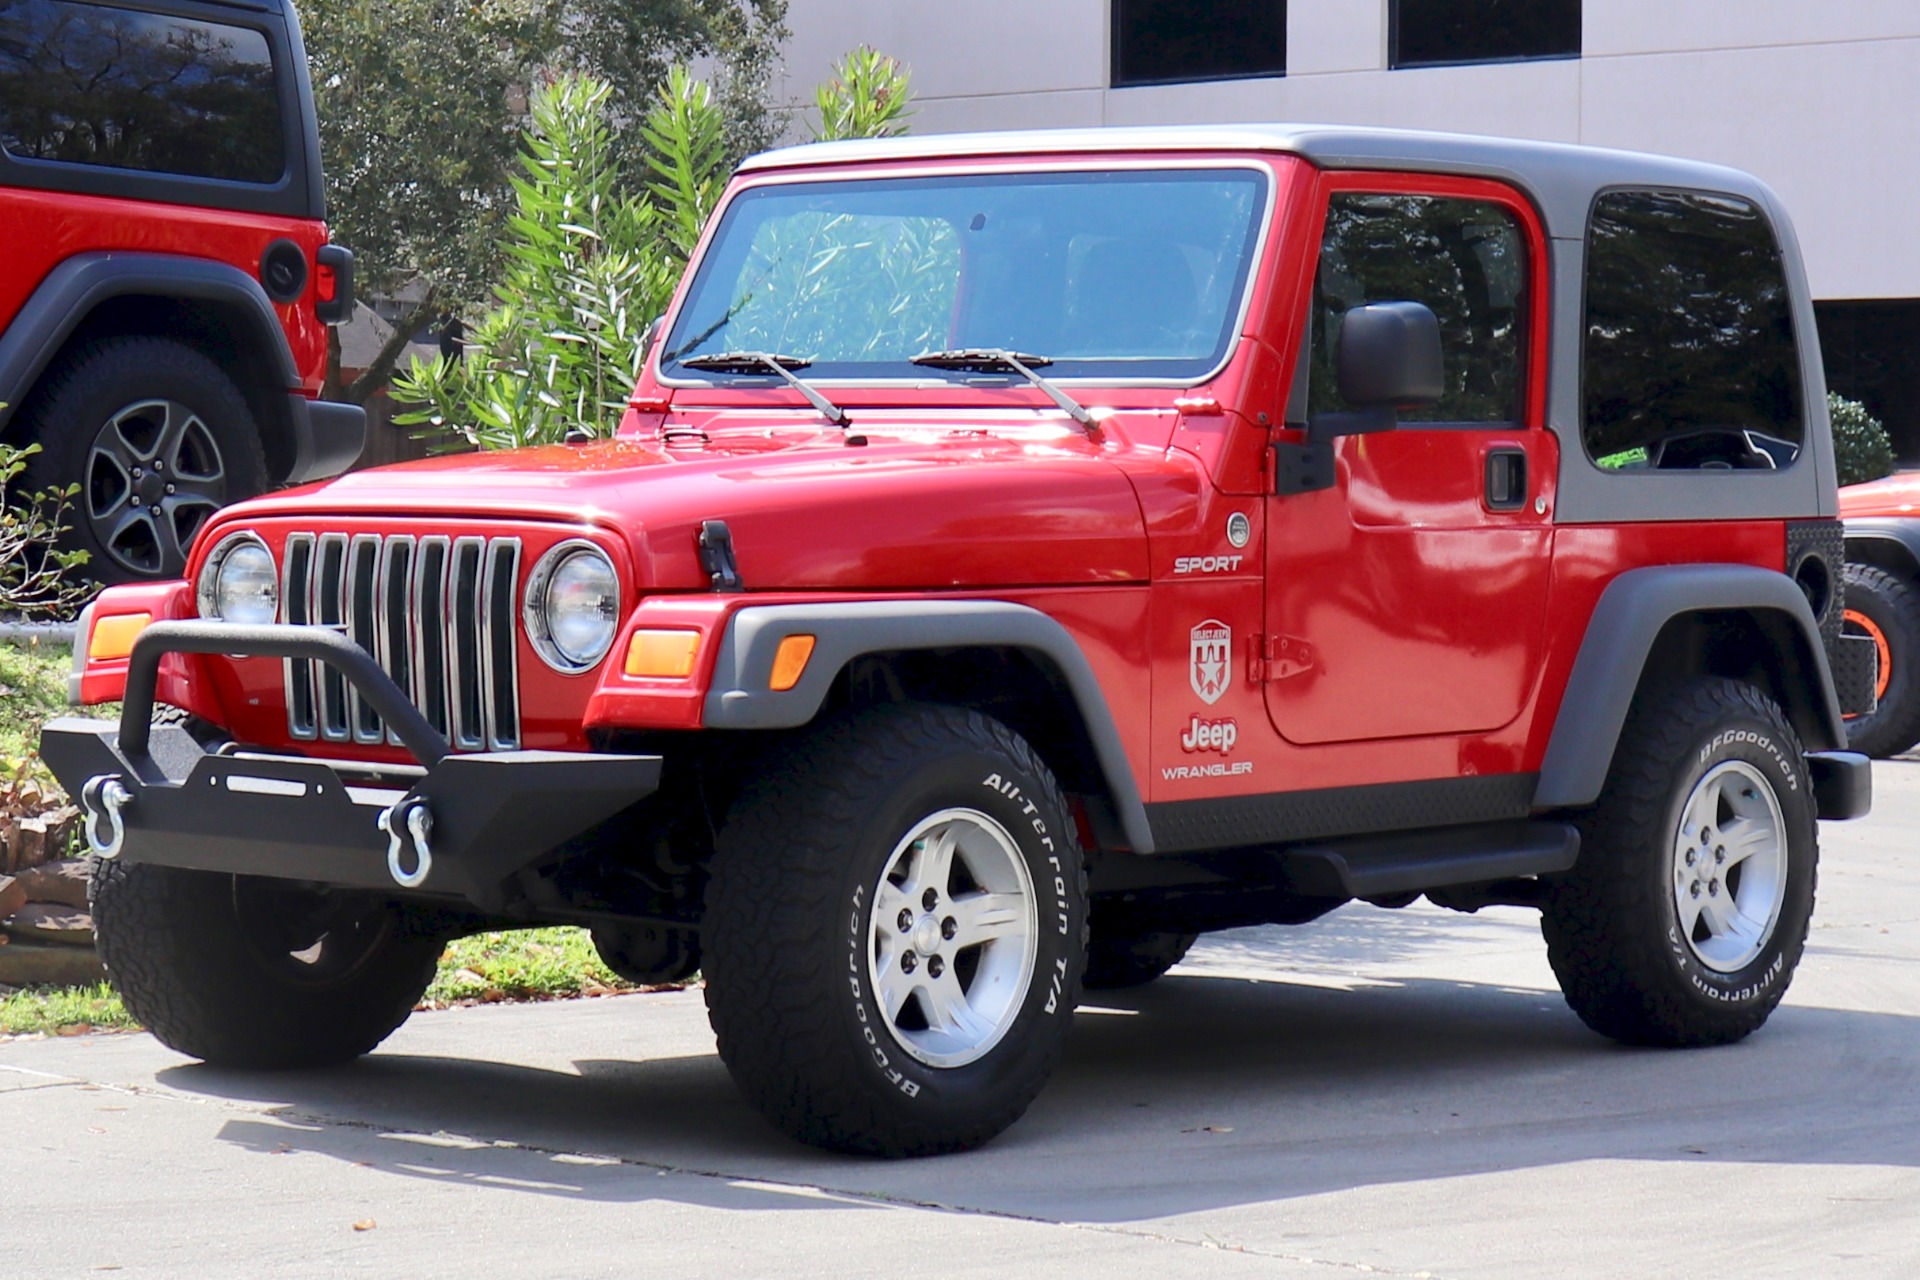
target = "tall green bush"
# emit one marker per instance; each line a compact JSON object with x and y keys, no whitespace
{"x":1862,"y":450}
{"x":590,"y":264}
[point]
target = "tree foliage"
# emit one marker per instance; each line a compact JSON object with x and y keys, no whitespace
{"x":869,"y":96}
{"x":422,"y":105}
{"x":591,"y":260}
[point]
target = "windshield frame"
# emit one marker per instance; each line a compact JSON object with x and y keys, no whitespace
{"x":930,"y":380}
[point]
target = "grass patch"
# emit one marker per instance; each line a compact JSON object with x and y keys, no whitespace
{"x":33,"y":690}
{"x":64,"y":1011}
{"x":524,"y":964}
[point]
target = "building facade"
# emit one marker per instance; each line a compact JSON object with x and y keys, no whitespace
{"x":1822,"y":101}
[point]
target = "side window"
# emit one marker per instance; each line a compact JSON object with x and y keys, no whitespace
{"x":92,"y":85}
{"x":1465,"y":259}
{"x":1690,"y":361}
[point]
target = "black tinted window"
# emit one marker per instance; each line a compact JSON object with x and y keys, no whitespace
{"x":1690,"y":359}
{"x":1437,"y":32}
{"x":99,"y":86}
{"x":1465,"y":259}
{"x":1155,"y":41}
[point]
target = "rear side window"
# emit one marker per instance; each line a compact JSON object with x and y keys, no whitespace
{"x":92,"y":85}
{"x":1465,"y":259}
{"x":1690,"y":361}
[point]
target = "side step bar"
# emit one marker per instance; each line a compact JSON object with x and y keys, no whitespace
{"x":1382,"y":866}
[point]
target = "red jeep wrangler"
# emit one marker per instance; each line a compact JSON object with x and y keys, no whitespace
{"x":1022,"y":554}
{"x":167,"y":278}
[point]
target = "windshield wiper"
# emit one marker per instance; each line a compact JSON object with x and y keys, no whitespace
{"x":765,"y":362}
{"x":1000,"y":360}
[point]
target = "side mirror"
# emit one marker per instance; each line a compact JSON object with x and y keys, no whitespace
{"x":1388,"y":359}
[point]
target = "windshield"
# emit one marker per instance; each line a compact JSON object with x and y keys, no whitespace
{"x":1116,"y":274}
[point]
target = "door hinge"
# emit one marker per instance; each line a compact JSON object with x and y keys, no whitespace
{"x":1277,"y":658}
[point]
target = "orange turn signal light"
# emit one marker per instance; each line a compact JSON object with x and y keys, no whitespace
{"x":790,"y":662}
{"x":665,"y":654}
{"x":113,"y":637}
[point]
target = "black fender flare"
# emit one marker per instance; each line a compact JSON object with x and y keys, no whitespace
{"x":1891,"y":542}
{"x":1632,"y":611}
{"x":739,"y":697}
{"x":73,"y":289}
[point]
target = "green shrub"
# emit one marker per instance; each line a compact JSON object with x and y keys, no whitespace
{"x":35,"y":576}
{"x":1861,"y":449}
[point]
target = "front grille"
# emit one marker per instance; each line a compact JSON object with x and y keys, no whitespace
{"x":438,"y":615}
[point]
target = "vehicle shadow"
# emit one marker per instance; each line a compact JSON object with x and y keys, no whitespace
{"x":1197,"y":1092}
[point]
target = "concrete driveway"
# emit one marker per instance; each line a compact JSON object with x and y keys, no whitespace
{"x":1398,"y":1093}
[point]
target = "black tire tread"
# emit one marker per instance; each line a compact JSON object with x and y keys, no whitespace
{"x":1601,"y":921}
{"x":171,"y":943}
{"x":771,"y":892}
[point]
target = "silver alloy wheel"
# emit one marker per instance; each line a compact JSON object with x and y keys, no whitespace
{"x":954,"y":932}
{"x":1730,"y":866}
{"x":154,"y":475}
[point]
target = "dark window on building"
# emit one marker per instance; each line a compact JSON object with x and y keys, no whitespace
{"x":1162,"y":41}
{"x":1438,"y":33}
{"x":97,"y":86}
{"x":1465,"y":259}
{"x":1872,"y":354}
{"x":1690,"y":360}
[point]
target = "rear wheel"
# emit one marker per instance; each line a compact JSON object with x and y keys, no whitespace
{"x":1686,"y":914}
{"x":1132,"y":960}
{"x":1886,"y":609}
{"x":157,"y":437}
{"x":894,"y":932}
{"x":246,"y":972}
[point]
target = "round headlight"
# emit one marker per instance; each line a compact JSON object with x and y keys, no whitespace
{"x":238,"y":584}
{"x":573,"y":606}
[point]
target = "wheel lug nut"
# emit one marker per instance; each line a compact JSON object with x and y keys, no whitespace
{"x":929,"y":898}
{"x":1696,"y":888}
{"x":136,"y":499}
{"x":1689,"y":857}
{"x":936,"y":966}
{"x":159,"y":465}
{"x":949,"y":927}
{"x":1720,"y":853}
{"x":909,"y":962}
{"x":1713,"y":887}
{"x":169,"y":488}
{"x":906,"y":920}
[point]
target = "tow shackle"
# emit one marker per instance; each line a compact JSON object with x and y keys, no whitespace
{"x":102,"y":799}
{"x":409,"y":827}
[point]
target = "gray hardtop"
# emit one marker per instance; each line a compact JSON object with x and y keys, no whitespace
{"x":1562,"y":180}
{"x":1560,"y":177}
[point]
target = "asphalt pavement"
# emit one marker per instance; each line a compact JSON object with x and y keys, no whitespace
{"x":1399,"y":1093}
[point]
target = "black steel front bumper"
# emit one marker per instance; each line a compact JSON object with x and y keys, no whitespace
{"x":457,"y":826}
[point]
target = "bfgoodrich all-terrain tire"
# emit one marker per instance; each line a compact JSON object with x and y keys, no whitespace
{"x":1683,"y":920}
{"x":156,"y":436}
{"x":895,"y":928}
{"x":1887,"y":609}
{"x":1132,"y":960}
{"x":244,"y":972}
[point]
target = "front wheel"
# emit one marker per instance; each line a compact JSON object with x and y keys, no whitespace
{"x":247,"y":972}
{"x":895,"y":929}
{"x":1683,"y":920}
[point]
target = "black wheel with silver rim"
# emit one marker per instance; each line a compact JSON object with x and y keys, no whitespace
{"x":895,"y":928}
{"x":1688,"y":910}
{"x":156,"y":437}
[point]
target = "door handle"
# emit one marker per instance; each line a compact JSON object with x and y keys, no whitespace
{"x":1506,"y":479}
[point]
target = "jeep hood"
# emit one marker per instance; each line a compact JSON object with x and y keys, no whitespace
{"x":918,"y":507}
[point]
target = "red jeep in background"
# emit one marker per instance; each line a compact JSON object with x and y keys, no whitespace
{"x":1023,"y":553}
{"x":166,"y":280}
